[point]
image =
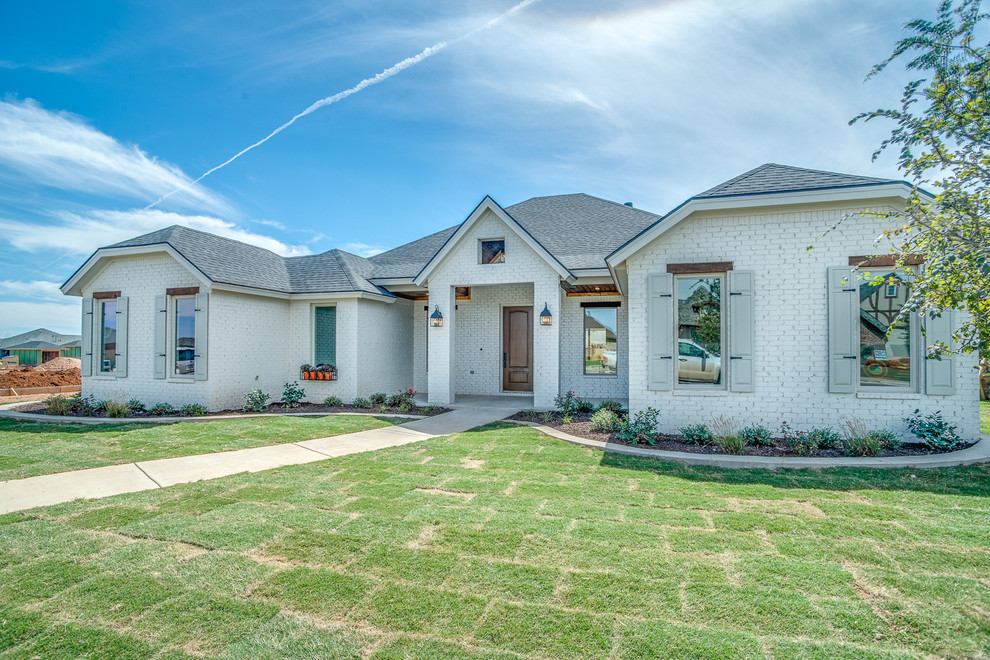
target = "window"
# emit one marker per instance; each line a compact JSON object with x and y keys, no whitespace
{"x":884,"y":340}
{"x":600,"y":344}
{"x":699,"y":324}
{"x":185,"y":336}
{"x":325,"y":336}
{"x":493,"y":252}
{"x":108,"y":336}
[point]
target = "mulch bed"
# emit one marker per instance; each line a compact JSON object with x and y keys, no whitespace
{"x":580,"y":426}
{"x":39,"y":408}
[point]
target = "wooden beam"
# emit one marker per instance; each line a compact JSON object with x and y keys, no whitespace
{"x":885,"y":260}
{"x":182,"y":291}
{"x":701,"y":267}
{"x":104,"y":295}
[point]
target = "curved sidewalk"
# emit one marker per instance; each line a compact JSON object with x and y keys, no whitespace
{"x":978,"y":453}
{"x":48,"y":489}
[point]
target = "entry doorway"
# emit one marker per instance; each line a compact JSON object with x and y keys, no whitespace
{"x":517,"y":349}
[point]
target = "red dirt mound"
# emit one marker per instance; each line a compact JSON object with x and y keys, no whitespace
{"x":32,"y":378}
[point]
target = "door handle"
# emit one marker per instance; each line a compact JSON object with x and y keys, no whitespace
{"x":504,"y":359}
{"x":682,"y":359}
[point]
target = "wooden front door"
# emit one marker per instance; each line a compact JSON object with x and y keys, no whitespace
{"x":517,"y":349}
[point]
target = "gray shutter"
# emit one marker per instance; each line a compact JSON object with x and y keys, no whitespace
{"x":660,"y":327}
{"x":940,"y":375}
{"x":87,"y":337}
{"x":120,"y":370}
{"x":202,"y":333}
{"x":741,"y":331}
{"x":843,"y":329}
{"x":161,"y":327}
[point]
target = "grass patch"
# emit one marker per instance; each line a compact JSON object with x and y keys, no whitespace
{"x":28,"y":449}
{"x":505,"y":543}
{"x":985,"y":417}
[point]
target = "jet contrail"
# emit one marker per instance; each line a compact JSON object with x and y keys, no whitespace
{"x":367,"y":82}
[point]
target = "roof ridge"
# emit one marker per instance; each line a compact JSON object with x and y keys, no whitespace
{"x":344,"y":268}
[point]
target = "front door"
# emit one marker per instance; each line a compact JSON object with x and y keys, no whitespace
{"x":517,"y":349}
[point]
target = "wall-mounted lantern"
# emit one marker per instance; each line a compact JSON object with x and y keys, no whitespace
{"x":545,"y":317}
{"x":436,"y":318}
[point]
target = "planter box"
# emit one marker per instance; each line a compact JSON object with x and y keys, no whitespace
{"x":316,"y":375}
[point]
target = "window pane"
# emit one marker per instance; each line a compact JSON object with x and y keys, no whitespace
{"x":884,"y":343}
{"x":492,"y":252}
{"x":325,"y":341}
{"x":600,"y":345}
{"x":185,"y":336}
{"x":108,"y":338}
{"x":699,"y":330}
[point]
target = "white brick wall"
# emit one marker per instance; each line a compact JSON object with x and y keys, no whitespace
{"x":385,"y":356}
{"x":572,"y":376}
{"x":461,"y":268}
{"x":790,"y":324}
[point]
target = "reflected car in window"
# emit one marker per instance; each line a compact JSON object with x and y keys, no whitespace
{"x":696,"y":364}
{"x":610,"y":360}
{"x":185,"y":361}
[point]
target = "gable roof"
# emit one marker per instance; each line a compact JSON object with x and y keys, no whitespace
{"x":41,"y":334}
{"x":774,"y":178}
{"x":33,"y":345}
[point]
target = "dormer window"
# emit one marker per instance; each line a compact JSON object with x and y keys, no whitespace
{"x":493,"y":251}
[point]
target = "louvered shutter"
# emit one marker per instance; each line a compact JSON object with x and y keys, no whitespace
{"x":120,"y":370}
{"x":660,"y":328}
{"x":940,"y":375}
{"x":161,"y":327}
{"x":741,"y":331}
{"x":202,"y":334}
{"x":843,"y":329}
{"x":86,"y":358}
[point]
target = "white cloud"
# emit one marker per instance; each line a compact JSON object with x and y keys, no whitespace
{"x":81,"y":234}
{"x":362,"y":249}
{"x":60,"y":150}
{"x":33,"y":290}
{"x":18,"y":317}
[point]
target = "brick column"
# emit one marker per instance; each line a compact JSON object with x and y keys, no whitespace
{"x":546,"y":343}
{"x":441,"y":346}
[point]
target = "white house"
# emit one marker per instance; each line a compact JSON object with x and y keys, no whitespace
{"x":716,"y":308}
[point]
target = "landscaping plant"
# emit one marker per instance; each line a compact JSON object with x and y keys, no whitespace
{"x":333,"y":402}
{"x":605,"y":421}
{"x":162,"y":409}
{"x":568,"y":405}
{"x":58,"y":405}
{"x":361,"y":402}
{"x":403,"y":397}
{"x":115,"y":408}
{"x":378,"y":398}
{"x":193,"y":410}
{"x":696,"y":434}
{"x":614,"y":406}
{"x":800,"y":442}
{"x":135,"y":405}
{"x":826,"y":437}
{"x":757,"y":435}
{"x":887,"y":439}
{"x":934,"y":431}
{"x":859,"y":440}
{"x":292,"y":394}
{"x":730,"y":444}
{"x":642,"y":427}
{"x":256,"y":401}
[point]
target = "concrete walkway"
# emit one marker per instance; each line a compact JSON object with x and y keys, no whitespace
{"x":44,"y":490}
{"x":978,"y":453}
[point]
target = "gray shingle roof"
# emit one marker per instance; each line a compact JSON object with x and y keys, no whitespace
{"x":41,"y":334}
{"x":407,"y":260}
{"x":578,"y":229}
{"x":33,"y":345}
{"x":774,"y":178}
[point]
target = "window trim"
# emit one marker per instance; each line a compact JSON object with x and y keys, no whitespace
{"x":914,"y":336}
{"x":481,"y":251}
{"x":173,"y":328}
{"x":312,"y":331}
{"x":584,"y":359}
{"x":723,"y":337}
{"x":100,"y":337}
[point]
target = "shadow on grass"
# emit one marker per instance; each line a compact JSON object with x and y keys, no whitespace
{"x":971,"y":480}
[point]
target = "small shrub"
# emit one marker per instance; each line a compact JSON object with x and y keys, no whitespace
{"x":383,"y":408}
{"x":642,"y":427}
{"x":888,"y":439}
{"x":116,"y":409}
{"x":730,"y":444}
{"x":585,"y":406}
{"x":547,"y":417}
{"x":85,"y":405}
{"x":866,"y":445}
{"x":696,"y":434}
{"x":826,"y":437}
{"x":757,"y":435}
{"x":722,"y":426}
{"x":800,"y":442}
{"x":135,"y":405}
{"x":256,"y":401}
{"x":162,"y":409}
{"x":333,"y":402}
{"x":193,"y":410}
{"x":567,"y":404}
{"x":100,"y":405}
{"x":605,"y":421}
{"x":614,"y":406}
{"x":528,"y":413}
{"x":292,"y":394}
{"x":403,"y":397}
{"x":404,"y":407}
{"x":433,"y":409}
{"x":361,"y":402}
{"x":934,"y":431}
{"x":58,"y":405}
{"x":378,"y":398}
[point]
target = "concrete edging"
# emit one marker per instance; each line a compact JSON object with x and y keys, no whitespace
{"x":978,"y":453}
{"x":9,"y":412}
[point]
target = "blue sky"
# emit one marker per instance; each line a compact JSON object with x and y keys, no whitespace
{"x":106,"y":106}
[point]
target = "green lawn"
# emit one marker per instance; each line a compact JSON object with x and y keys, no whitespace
{"x":984,"y":416}
{"x":32,"y":448}
{"x":505,"y":543}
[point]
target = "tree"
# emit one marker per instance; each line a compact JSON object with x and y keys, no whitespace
{"x":943,"y":135}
